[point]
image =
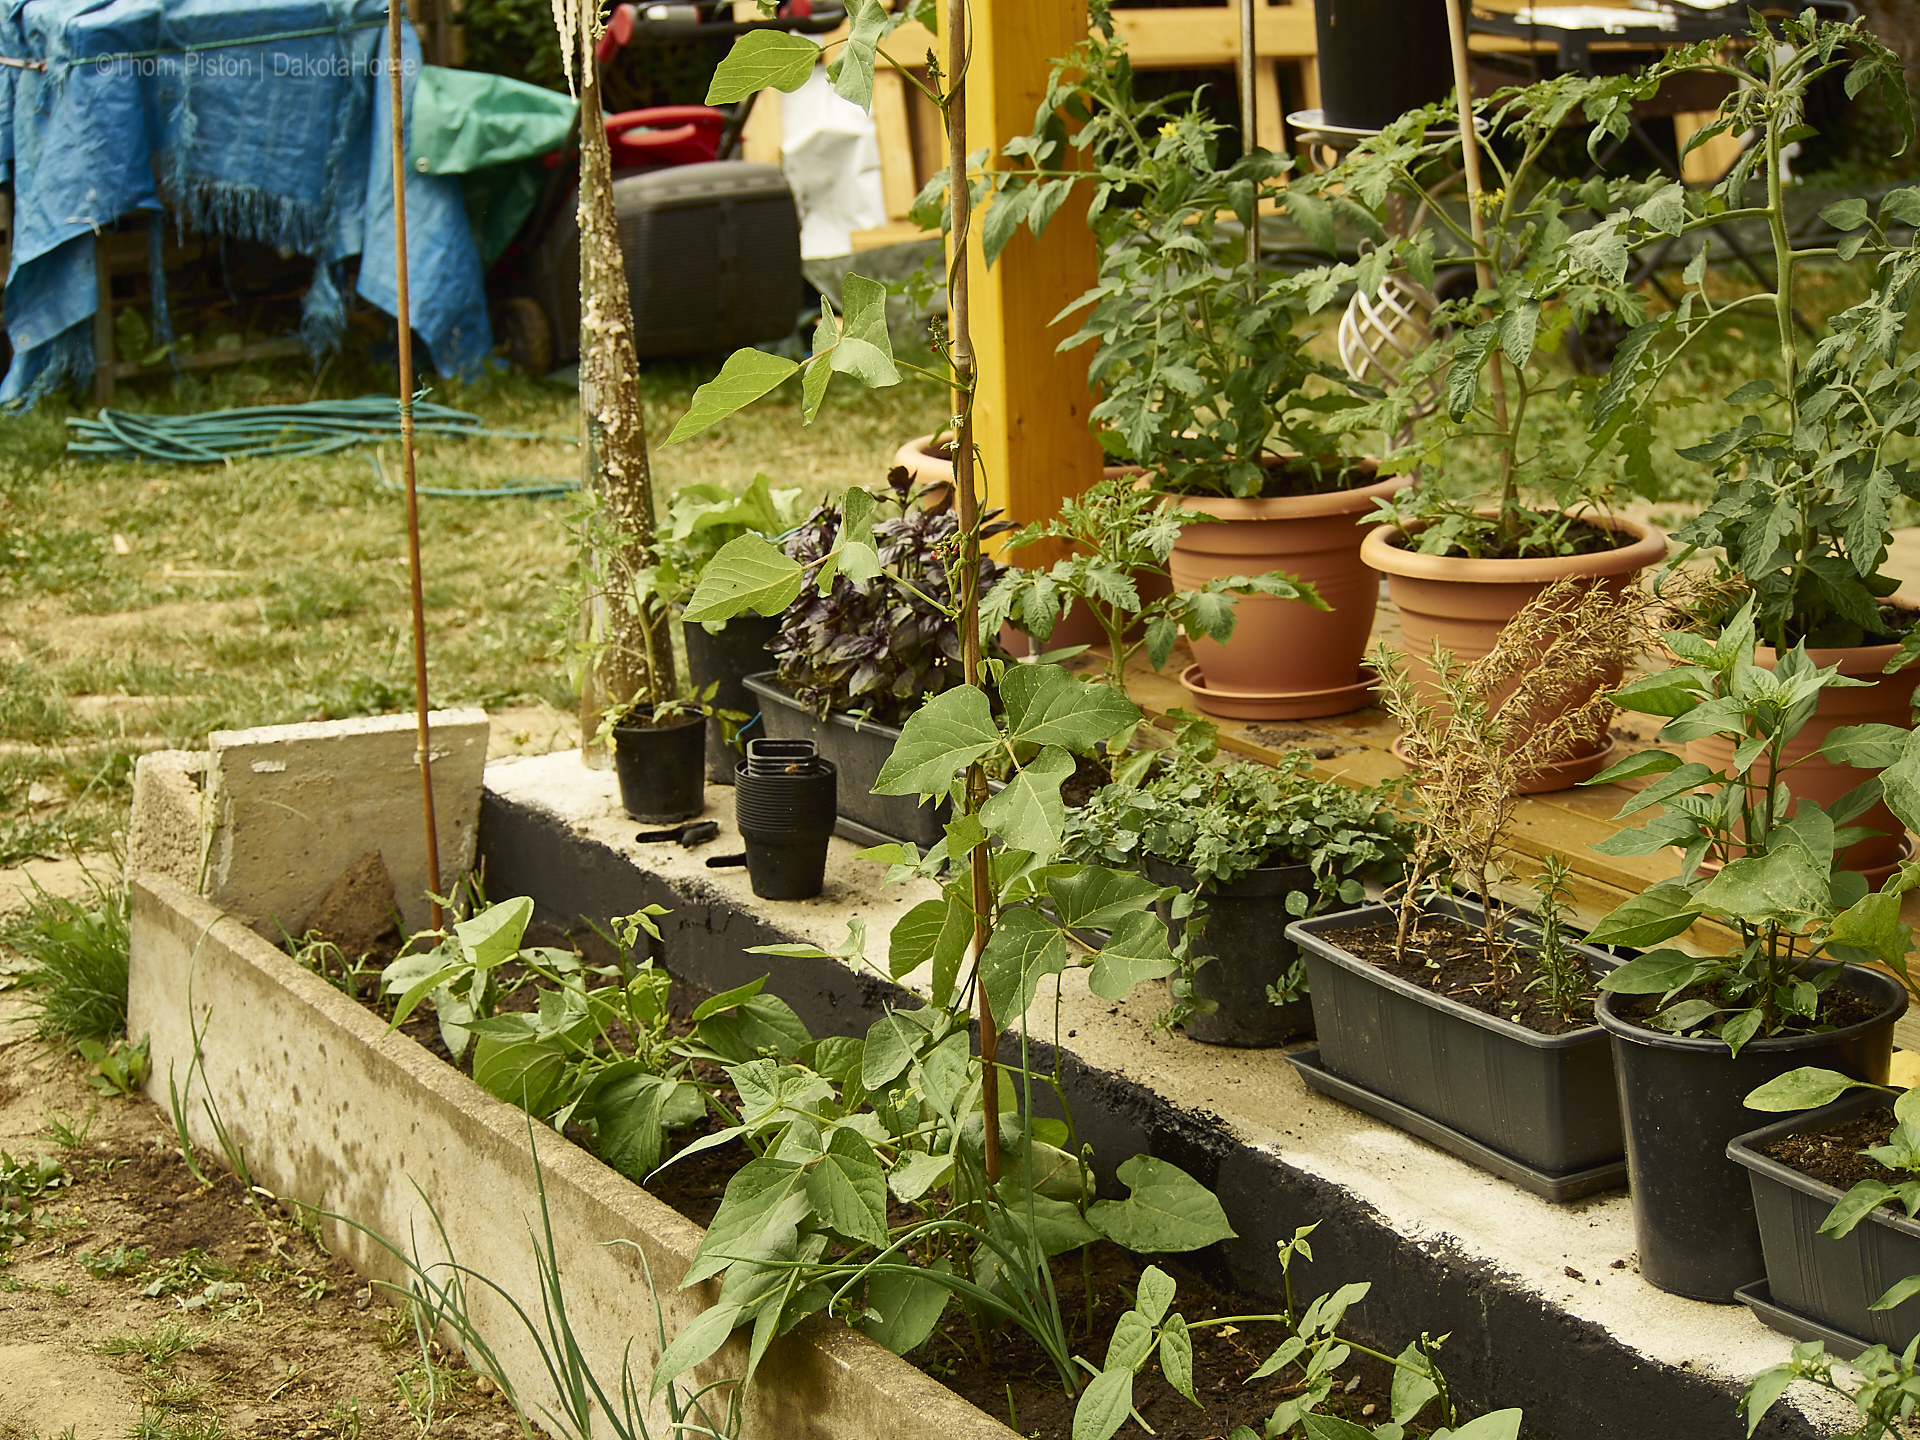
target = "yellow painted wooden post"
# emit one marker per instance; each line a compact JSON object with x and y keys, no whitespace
{"x":1030,"y":416}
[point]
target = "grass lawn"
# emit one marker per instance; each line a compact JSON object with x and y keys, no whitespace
{"x":147,"y":604}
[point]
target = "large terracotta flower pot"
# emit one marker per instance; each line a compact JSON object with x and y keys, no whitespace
{"x":1466,"y":603}
{"x":1285,"y":660}
{"x":1888,"y":701}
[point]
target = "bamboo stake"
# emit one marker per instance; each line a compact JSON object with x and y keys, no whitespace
{"x":1476,"y":221}
{"x":961,"y":337}
{"x":1249,"y":104}
{"x":403,"y":313}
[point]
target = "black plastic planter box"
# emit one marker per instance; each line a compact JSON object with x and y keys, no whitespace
{"x":1547,"y":1101}
{"x":1831,"y":1281}
{"x":857,"y":749}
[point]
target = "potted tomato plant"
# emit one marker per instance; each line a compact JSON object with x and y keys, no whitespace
{"x":1207,"y":380}
{"x":1805,"y":476}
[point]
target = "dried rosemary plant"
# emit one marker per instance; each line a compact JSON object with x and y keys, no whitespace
{"x":1475,"y":733}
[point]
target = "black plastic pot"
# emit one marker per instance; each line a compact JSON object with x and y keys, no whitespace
{"x":1380,"y":58}
{"x":784,"y":803}
{"x":1833,"y":1281}
{"x":1544,"y":1100}
{"x":857,"y":749}
{"x":726,"y":659}
{"x":1246,"y":921}
{"x":662,"y":768}
{"x":1683,"y":1100}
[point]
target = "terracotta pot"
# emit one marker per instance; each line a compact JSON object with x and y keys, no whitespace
{"x":1465,"y":604}
{"x":1281,"y":648}
{"x":1888,"y":701}
{"x":928,"y":467}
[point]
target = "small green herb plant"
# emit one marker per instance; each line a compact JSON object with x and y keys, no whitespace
{"x":1121,"y":535}
{"x":1224,"y":820}
{"x":1887,"y":1389}
{"x":1776,"y":882}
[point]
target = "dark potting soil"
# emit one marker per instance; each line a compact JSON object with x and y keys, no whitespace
{"x":1296,"y":477}
{"x":1832,"y":1153}
{"x":1017,"y":1383}
{"x":1837,"y":1008}
{"x":1450,"y":958}
{"x":1583,"y":536}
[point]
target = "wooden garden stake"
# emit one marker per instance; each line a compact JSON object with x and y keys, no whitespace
{"x":1249,"y":105}
{"x":961,"y":340}
{"x":403,"y":313}
{"x":1476,"y":220}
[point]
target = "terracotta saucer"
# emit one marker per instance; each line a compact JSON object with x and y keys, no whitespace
{"x":1560,"y":775}
{"x":1287,"y":705}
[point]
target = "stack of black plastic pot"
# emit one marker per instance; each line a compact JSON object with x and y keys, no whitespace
{"x":784,"y":798}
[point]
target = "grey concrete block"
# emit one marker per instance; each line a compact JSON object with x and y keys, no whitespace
{"x":171,"y":824}
{"x":333,"y":1111}
{"x":292,"y":806}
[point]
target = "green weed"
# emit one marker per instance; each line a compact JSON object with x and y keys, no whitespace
{"x":119,"y":1261}
{"x":76,"y":953}
{"x":64,"y":1130}
{"x":119,"y":1068}
{"x":182,"y":1274}
{"x":169,"y":1340}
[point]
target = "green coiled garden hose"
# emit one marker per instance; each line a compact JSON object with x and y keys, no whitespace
{"x":319,"y":427}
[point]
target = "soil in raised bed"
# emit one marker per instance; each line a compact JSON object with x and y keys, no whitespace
{"x":1450,"y":958}
{"x":1832,"y":1153}
{"x":1017,"y":1383}
{"x":1015,"y":1380}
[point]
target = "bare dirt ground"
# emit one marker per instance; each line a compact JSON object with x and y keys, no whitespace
{"x":140,"y":1304}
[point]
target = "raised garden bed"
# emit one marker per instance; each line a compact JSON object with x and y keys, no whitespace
{"x":1533,"y":1294}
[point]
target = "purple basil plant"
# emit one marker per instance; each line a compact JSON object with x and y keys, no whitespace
{"x":877,"y":647}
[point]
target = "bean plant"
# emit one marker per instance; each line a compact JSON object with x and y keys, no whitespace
{"x":601,"y":1056}
{"x":806,"y":1225}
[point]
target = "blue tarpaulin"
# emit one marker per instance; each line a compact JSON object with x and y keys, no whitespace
{"x":253,"y":119}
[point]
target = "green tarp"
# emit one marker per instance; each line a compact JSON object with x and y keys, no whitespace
{"x":493,"y":132}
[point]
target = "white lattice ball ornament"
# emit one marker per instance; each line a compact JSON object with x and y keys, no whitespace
{"x":1378,"y":336}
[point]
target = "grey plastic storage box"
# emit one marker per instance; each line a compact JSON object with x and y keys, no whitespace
{"x":713,"y":260}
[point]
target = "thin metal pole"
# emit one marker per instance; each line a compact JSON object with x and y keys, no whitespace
{"x":1249,"y":104}
{"x":403,"y":313}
